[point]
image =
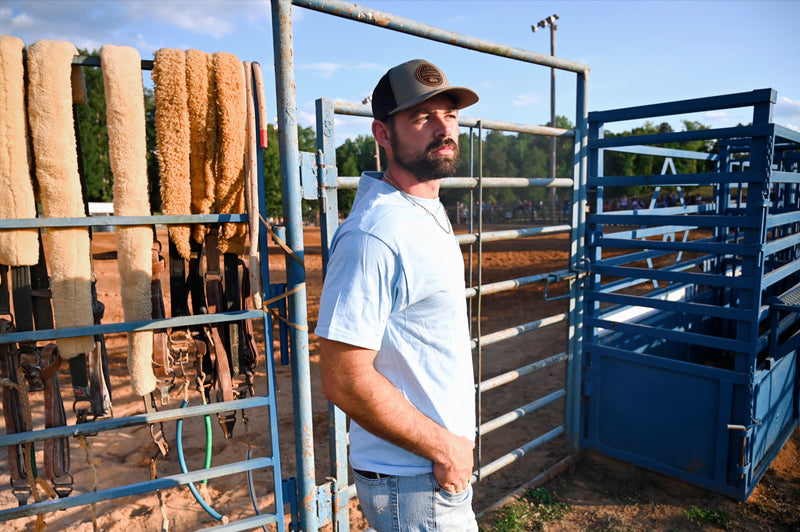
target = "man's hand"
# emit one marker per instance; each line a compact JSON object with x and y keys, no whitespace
{"x":454,"y":473}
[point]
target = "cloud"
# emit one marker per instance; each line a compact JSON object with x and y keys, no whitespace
{"x":526,"y":100}
{"x":213,"y":19}
{"x":21,"y":20}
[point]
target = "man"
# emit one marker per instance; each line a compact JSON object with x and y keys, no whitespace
{"x":395,"y":349}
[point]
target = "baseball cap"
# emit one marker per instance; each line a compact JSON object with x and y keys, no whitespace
{"x":413,"y":82}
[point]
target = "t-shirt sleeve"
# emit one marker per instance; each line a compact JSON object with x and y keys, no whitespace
{"x":363,"y":284}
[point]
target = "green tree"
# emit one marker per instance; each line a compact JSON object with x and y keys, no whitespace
{"x":92,"y":133}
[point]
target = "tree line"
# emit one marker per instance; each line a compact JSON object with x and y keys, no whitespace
{"x":503,"y":155}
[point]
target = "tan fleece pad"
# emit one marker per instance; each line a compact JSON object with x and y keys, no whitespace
{"x":127,"y":149}
{"x":172,"y":139}
{"x":232,"y":125}
{"x":19,"y":247}
{"x":202,"y":134}
{"x":54,"y":147}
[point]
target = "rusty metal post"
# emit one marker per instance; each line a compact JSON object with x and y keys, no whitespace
{"x":295,"y":273}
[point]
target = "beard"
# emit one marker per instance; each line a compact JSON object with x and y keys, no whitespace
{"x":428,"y":166}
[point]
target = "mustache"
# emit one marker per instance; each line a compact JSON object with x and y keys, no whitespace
{"x":441,"y":143}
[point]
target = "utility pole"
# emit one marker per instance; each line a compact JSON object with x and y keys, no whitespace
{"x":551,"y":22}
{"x":365,"y":101}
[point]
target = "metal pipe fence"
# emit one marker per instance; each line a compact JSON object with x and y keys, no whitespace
{"x":322,"y":165}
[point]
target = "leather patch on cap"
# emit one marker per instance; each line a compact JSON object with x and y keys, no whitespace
{"x":429,"y":75}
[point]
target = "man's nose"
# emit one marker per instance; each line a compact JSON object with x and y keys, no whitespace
{"x":442,"y":126}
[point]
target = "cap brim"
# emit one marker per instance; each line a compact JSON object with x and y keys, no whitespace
{"x":463,"y":97}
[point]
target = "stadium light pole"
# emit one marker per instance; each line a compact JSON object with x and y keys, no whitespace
{"x":551,"y":22}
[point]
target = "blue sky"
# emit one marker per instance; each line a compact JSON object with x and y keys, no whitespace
{"x":639,"y":52}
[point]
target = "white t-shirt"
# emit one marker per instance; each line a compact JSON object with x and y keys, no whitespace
{"x":395,"y":284}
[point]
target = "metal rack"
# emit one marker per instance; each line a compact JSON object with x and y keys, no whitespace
{"x":264,"y":404}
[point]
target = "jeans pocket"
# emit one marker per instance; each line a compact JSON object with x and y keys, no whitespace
{"x":453,"y":498}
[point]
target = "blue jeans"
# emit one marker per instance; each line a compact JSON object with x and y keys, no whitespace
{"x":418,"y":503}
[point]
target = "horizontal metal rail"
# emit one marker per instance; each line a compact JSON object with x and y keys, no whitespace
{"x":128,"y":326}
{"x":666,"y":152}
{"x":695,"y":246}
{"x":103,"y":221}
{"x":512,"y":332}
{"x":351,"y":182}
{"x":104,"y":425}
{"x":94,"y":61}
{"x":639,"y":274}
{"x":356,"y":109}
{"x":136,"y":488}
{"x":667,"y":305}
{"x":680,"y":209}
{"x":695,"y":105}
{"x":513,"y":284}
{"x":523,"y":410}
{"x":510,"y":234}
{"x":684,"y":136}
{"x":248,"y":523}
{"x":654,"y":217}
{"x":412,"y":27}
{"x":659,"y":230}
{"x":511,"y":376}
{"x":517,"y":453}
{"x":703,"y":340}
{"x":695,"y":179}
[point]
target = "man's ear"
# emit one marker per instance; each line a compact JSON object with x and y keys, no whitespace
{"x":381,"y":133}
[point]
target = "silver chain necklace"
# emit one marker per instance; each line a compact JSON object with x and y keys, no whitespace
{"x":389,"y":179}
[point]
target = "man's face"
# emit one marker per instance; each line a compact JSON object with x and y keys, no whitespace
{"x":424,"y":138}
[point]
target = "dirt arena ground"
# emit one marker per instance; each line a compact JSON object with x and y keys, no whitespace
{"x":601,"y":493}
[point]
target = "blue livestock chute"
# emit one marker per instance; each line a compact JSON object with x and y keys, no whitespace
{"x":692,"y":303}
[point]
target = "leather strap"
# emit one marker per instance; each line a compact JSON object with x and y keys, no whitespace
{"x":5,"y":294}
{"x":178,"y":288}
{"x":233,"y":303}
{"x":248,"y":352}
{"x":56,"y":450}
{"x":13,"y":415}
{"x":161,"y":362}
{"x":23,"y":317}
{"x":195,"y":279}
{"x":99,"y":380}
{"x":214,"y":297}
{"x":40,"y":293}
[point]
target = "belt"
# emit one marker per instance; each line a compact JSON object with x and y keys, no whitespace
{"x":372,"y":475}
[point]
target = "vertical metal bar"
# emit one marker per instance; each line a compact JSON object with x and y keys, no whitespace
{"x":480,"y":297}
{"x":553,"y":195}
{"x":295,"y":273}
{"x":757,"y":206}
{"x":471,"y":214}
{"x":327,"y":177}
{"x":576,"y":253}
{"x":269,"y":354}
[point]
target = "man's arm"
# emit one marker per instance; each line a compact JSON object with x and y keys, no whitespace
{"x":351,"y":382}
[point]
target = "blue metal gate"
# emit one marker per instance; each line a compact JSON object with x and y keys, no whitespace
{"x":691,"y":313}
